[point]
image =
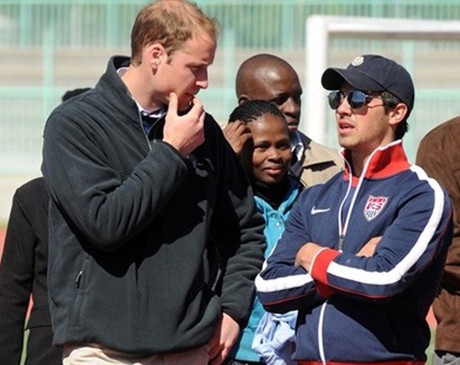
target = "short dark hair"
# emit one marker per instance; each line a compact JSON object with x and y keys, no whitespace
{"x":252,"y":109}
{"x":389,"y":102}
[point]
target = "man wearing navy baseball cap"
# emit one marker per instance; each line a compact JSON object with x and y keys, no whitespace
{"x":363,"y":254}
{"x":373,"y":73}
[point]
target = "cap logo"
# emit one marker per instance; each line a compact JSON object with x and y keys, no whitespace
{"x":358,"y":61}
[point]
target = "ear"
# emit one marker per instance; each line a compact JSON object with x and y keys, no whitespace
{"x":153,"y":54}
{"x":397,"y":114}
{"x":243,"y":98}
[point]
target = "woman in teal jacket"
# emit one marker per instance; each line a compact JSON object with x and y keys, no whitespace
{"x":262,"y":142}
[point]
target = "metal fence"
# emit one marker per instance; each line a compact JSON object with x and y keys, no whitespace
{"x":48,"y":47}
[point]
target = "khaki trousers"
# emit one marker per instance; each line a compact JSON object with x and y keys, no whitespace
{"x":96,"y":355}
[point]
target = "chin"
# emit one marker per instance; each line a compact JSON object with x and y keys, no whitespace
{"x":293,"y":128}
{"x":347,"y":146}
{"x":184,"y":105}
{"x":270,"y":180}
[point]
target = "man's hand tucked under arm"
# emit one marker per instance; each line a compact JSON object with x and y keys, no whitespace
{"x":306,"y":254}
{"x":368,"y":249}
{"x":308,"y":251}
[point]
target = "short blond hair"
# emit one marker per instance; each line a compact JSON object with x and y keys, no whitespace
{"x":170,"y":23}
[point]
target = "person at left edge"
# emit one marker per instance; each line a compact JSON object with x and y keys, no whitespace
{"x":23,"y":276}
{"x":143,"y":210}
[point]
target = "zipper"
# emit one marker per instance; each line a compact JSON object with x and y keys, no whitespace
{"x":341,"y":236}
{"x":342,"y":232}
{"x":78,"y":279}
{"x":322,"y":353}
{"x":143,"y":130}
{"x":343,"y":228}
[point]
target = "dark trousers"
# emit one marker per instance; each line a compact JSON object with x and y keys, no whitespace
{"x":39,"y":348}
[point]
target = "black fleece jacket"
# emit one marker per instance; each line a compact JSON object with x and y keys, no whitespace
{"x":22,"y":275}
{"x":137,"y":230}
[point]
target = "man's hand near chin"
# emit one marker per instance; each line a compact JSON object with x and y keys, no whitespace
{"x":184,"y":132}
{"x":223,"y":339}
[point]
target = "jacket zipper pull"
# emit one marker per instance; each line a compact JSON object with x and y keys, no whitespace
{"x":78,"y":279}
{"x":341,"y":236}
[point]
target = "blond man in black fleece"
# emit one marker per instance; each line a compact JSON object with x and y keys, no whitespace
{"x":148,"y":203}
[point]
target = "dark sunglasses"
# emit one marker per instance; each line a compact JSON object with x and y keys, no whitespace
{"x":356,"y":98}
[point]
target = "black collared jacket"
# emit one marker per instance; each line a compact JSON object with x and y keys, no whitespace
{"x":137,"y":231}
{"x":22,"y":276}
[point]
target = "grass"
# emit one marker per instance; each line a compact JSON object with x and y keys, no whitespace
{"x":430,"y":349}
{"x":24,"y":347}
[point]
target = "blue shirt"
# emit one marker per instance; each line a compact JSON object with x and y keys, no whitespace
{"x":274,"y":228}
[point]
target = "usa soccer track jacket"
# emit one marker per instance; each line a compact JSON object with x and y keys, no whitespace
{"x":363,"y":309}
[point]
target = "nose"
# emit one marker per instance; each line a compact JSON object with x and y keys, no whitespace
{"x":203,"y":84}
{"x":274,"y":154}
{"x":344,"y":107}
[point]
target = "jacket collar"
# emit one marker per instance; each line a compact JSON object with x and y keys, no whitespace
{"x":112,"y":84}
{"x":286,"y":205}
{"x":385,"y":161}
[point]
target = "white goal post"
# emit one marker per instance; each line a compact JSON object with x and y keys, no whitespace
{"x":320,"y":28}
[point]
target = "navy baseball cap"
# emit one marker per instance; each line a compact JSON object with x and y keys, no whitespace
{"x":373,"y":73}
